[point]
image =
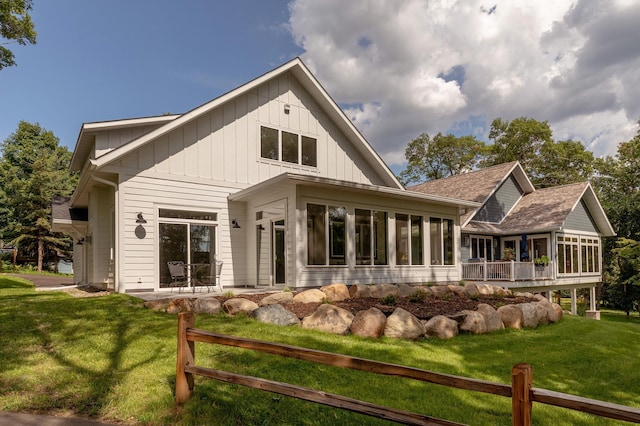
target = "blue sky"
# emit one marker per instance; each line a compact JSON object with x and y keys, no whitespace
{"x":105,"y":60}
{"x":398,"y":68}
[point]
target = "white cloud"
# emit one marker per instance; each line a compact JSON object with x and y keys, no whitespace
{"x":407,"y":67}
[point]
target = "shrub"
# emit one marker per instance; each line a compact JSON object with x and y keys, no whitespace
{"x":418,"y":296}
{"x":388,"y":300}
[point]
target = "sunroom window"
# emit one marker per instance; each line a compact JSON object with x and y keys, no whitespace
{"x":409,"y":240}
{"x":326,"y":235}
{"x":441,"y":241}
{"x":371,"y":237}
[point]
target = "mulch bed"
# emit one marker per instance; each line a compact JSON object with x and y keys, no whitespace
{"x":430,"y":307}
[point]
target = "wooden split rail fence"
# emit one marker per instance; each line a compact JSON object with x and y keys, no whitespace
{"x":521,"y":391}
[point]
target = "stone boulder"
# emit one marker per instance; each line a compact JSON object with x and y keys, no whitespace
{"x":335,"y":292}
{"x":440,"y":290}
{"x":491,"y":317}
{"x":179,"y":305}
{"x":358,"y":291}
{"x":384,"y":290}
{"x":403,"y":325}
{"x":441,"y":327}
{"x":330,"y":319}
{"x":283,"y":297}
{"x":369,"y":323}
{"x":472,"y":322}
{"x":485,"y":289}
{"x":405,"y":290}
{"x":499,"y":291}
{"x":310,"y":296}
{"x":207,"y":305}
{"x":558,"y":309}
{"x":529,"y":313}
{"x":511,"y":316}
{"x":471,"y":290}
{"x":238,"y":305}
{"x":275,"y":314}
{"x":545,"y":312}
{"x":458,"y":290}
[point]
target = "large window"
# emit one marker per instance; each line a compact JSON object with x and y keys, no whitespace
{"x":371,"y":237}
{"x":441,"y":241}
{"x":482,"y":248}
{"x":568,"y":255}
{"x":186,"y":236}
{"x":590,"y":255}
{"x":288,"y":147}
{"x":326,"y":235}
{"x":409,"y":240}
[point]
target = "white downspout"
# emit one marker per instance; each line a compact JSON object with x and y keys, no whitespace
{"x":116,"y":239}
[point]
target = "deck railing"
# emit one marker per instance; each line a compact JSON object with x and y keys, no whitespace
{"x":506,"y":271}
{"x":521,"y":391}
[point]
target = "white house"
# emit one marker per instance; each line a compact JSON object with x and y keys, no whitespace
{"x":272,"y":179}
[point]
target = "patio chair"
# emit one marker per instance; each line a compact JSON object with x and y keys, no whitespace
{"x":178,"y":272}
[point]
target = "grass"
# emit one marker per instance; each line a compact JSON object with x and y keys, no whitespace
{"x":112,"y":359}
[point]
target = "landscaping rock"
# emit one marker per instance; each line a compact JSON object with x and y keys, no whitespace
{"x":473,"y":323}
{"x":485,"y":289}
{"x":283,"y":297}
{"x":403,"y":325}
{"x":275,"y":314}
{"x":439,"y":290}
{"x":441,"y":327}
{"x":529,"y":314}
{"x":553,"y":315}
{"x":558,"y":310}
{"x":491,"y":317}
{"x":511,"y":316}
{"x":238,"y":305}
{"x":335,"y":292}
{"x":384,"y":290}
{"x":542,"y":311}
{"x":471,"y":290}
{"x":359,"y":290}
{"x":499,"y":291}
{"x":330,"y":319}
{"x":179,"y":305}
{"x":405,"y":290}
{"x":206,"y":305}
{"x":457,"y":290}
{"x":310,"y":296}
{"x":369,"y":323}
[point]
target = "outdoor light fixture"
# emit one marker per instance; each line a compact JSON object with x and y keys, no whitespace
{"x":80,"y":242}
{"x":466,"y":241}
{"x":140,"y":218}
{"x":261,"y":228}
{"x":235,"y":224}
{"x":287,"y":108}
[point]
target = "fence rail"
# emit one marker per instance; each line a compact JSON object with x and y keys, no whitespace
{"x":521,"y":392}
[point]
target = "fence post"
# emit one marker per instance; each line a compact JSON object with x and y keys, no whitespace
{"x":186,"y":355}
{"x":521,"y":378}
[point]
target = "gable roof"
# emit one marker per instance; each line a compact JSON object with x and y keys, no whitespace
{"x":477,"y":186}
{"x":307,"y":80}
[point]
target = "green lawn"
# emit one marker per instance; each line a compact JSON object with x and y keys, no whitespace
{"x":109,"y":358}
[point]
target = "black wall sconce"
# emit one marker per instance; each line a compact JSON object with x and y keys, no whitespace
{"x":235,"y":224}
{"x":287,"y":108}
{"x":80,"y":242}
{"x":141,"y":218}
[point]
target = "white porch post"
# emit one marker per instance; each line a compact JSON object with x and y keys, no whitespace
{"x":574,"y":301}
{"x":592,"y":298}
{"x":550,"y":296}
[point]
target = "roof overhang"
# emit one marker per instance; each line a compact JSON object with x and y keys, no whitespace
{"x":335,"y":184}
{"x":88,"y":131}
{"x":308,"y":81}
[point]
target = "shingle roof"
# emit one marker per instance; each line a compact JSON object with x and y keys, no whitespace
{"x":60,"y":210}
{"x":473,"y":186}
{"x":543,"y":209}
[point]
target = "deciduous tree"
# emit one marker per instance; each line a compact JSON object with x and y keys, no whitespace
{"x":441,"y":156}
{"x":15,"y":26}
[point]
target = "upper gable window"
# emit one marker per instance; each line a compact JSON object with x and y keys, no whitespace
{"x":289,"y":147}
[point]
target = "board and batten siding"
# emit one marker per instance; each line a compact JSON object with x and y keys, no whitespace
{"x":100,"y":245}
{"x":224,"y":144}
{"x":310,"y":276}
{"x":500,"y":202}
{"x":109,"y":140}
{"x":140,"y":265}
{"x":580,"y":219}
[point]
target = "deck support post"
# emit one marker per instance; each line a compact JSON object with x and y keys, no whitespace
{"x":574,"y":301}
